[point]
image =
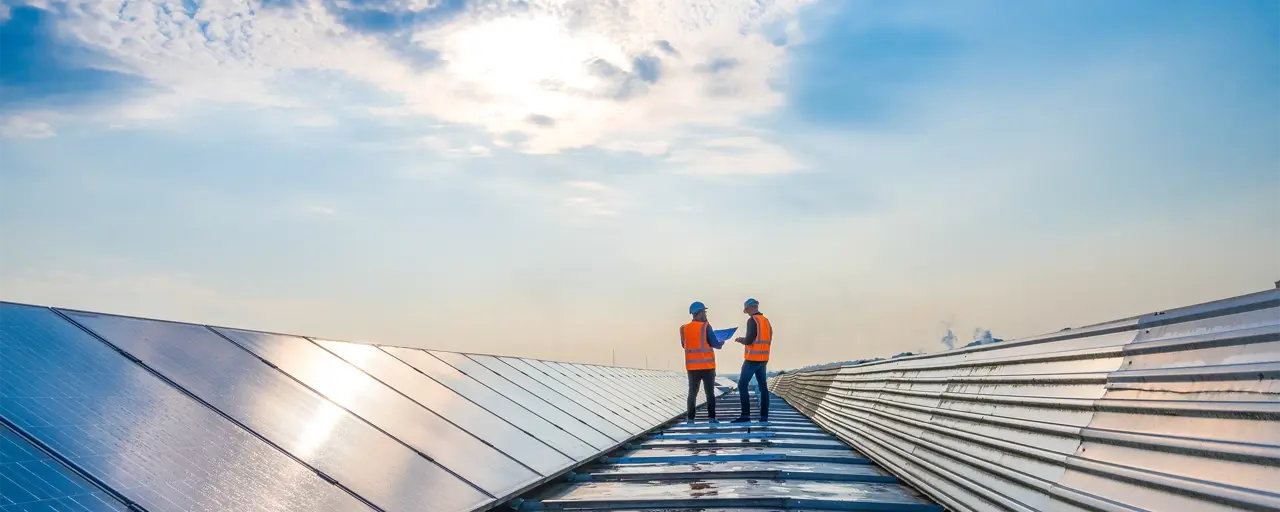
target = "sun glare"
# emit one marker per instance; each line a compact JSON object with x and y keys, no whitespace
{"x":341,"y":385}
{"x":526,"y":65}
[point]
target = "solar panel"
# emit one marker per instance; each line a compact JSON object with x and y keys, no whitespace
{"x":663,"y":386}
{"x":464,"y":453}
{"x":594,"y":389}
{"x":493,"y":428}
{"x":329,"y":438}
{"x":499,"y":408}
{"x":625,"y":394}
{"x":633,"y":383}
{"x":574,"y":391}
{"x":631,"y":402}
{"x":538,"y":405}
{"x":564,"y":403}
{"x":31,"y":479}
{"x":136,"y":433}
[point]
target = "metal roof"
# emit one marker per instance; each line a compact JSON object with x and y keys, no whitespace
{"x":1174,"y":410}
{"x":785,"y":464}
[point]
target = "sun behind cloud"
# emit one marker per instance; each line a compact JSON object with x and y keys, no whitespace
{"x":537,"y":77}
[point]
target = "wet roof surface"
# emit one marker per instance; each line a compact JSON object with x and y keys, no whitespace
{"x":786,"y":464}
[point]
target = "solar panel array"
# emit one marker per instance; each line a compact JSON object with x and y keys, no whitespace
{"x":105,"y":412}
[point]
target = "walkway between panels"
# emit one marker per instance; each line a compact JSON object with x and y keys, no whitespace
{"x":785,"y":464}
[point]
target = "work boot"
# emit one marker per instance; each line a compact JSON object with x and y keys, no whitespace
{"x":712,"y":421}
{"x":742,"y":419}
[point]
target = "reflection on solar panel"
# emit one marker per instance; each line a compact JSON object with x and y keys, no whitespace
{"x":288,"y":414}
{"x":135,"y":433}
{"x":173,"y":416}
{"x":404,"y":421}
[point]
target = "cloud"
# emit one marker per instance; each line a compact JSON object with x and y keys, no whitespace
{"x":555,"y":75}
{"x":593,"y":199}
{"x":541,"y":120}
{"x":23,"y":127}
{"x":735,"y":155}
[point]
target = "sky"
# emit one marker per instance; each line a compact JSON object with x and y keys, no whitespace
{"x":561,"y":178}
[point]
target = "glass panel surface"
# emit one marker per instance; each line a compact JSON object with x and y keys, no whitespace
{"x":484,"y":424}
{"x":455,"y":449}
{"x":629,"y":388}
{"x":135,"y":432}
{"x":662,"y":385}
{"x":500,"y":409}
{"x":304,"y":424}
{"x":527,"y":398}
{"x":659,"y":386}
{"x":32,"y":480}
{"x":585,"y":391}
{"x":549,"y":394}
{"x":632,"y":402}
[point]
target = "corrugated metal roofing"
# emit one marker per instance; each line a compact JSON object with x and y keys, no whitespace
{"x":1175,"y":410}
{"x":785,"y":464}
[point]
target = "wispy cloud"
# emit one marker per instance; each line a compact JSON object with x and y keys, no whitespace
{"x":24,"y":127}
{"x":735,"y":155}
{"x":592,"y":198}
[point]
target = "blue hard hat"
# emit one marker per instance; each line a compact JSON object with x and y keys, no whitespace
{"x":696,"y":307}
{"x":750,"y":302}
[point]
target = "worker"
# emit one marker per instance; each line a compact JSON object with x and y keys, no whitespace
{"x":755,"y":357}
{"x":699,"y":343}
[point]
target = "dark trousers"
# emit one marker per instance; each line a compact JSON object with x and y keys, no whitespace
{"x":754,"y":369}
{"x":707,"y":378}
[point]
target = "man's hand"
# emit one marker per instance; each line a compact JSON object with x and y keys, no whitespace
{"x":741,"y":340}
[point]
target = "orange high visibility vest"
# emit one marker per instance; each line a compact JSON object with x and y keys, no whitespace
{"x":698,"y":355}
{"x":759,"y":351}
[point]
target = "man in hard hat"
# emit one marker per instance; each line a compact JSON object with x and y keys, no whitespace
{"x":699,"y":343}
{"x":755,"y":357}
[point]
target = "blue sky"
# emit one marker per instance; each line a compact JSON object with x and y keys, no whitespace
{"x":560,"y":179}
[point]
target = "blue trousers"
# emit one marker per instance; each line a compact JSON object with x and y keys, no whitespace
{"x":754,"y":369}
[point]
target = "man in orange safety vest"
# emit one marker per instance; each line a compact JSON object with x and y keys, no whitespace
{"x":755,"y":357}
{"x":699,"y":342}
